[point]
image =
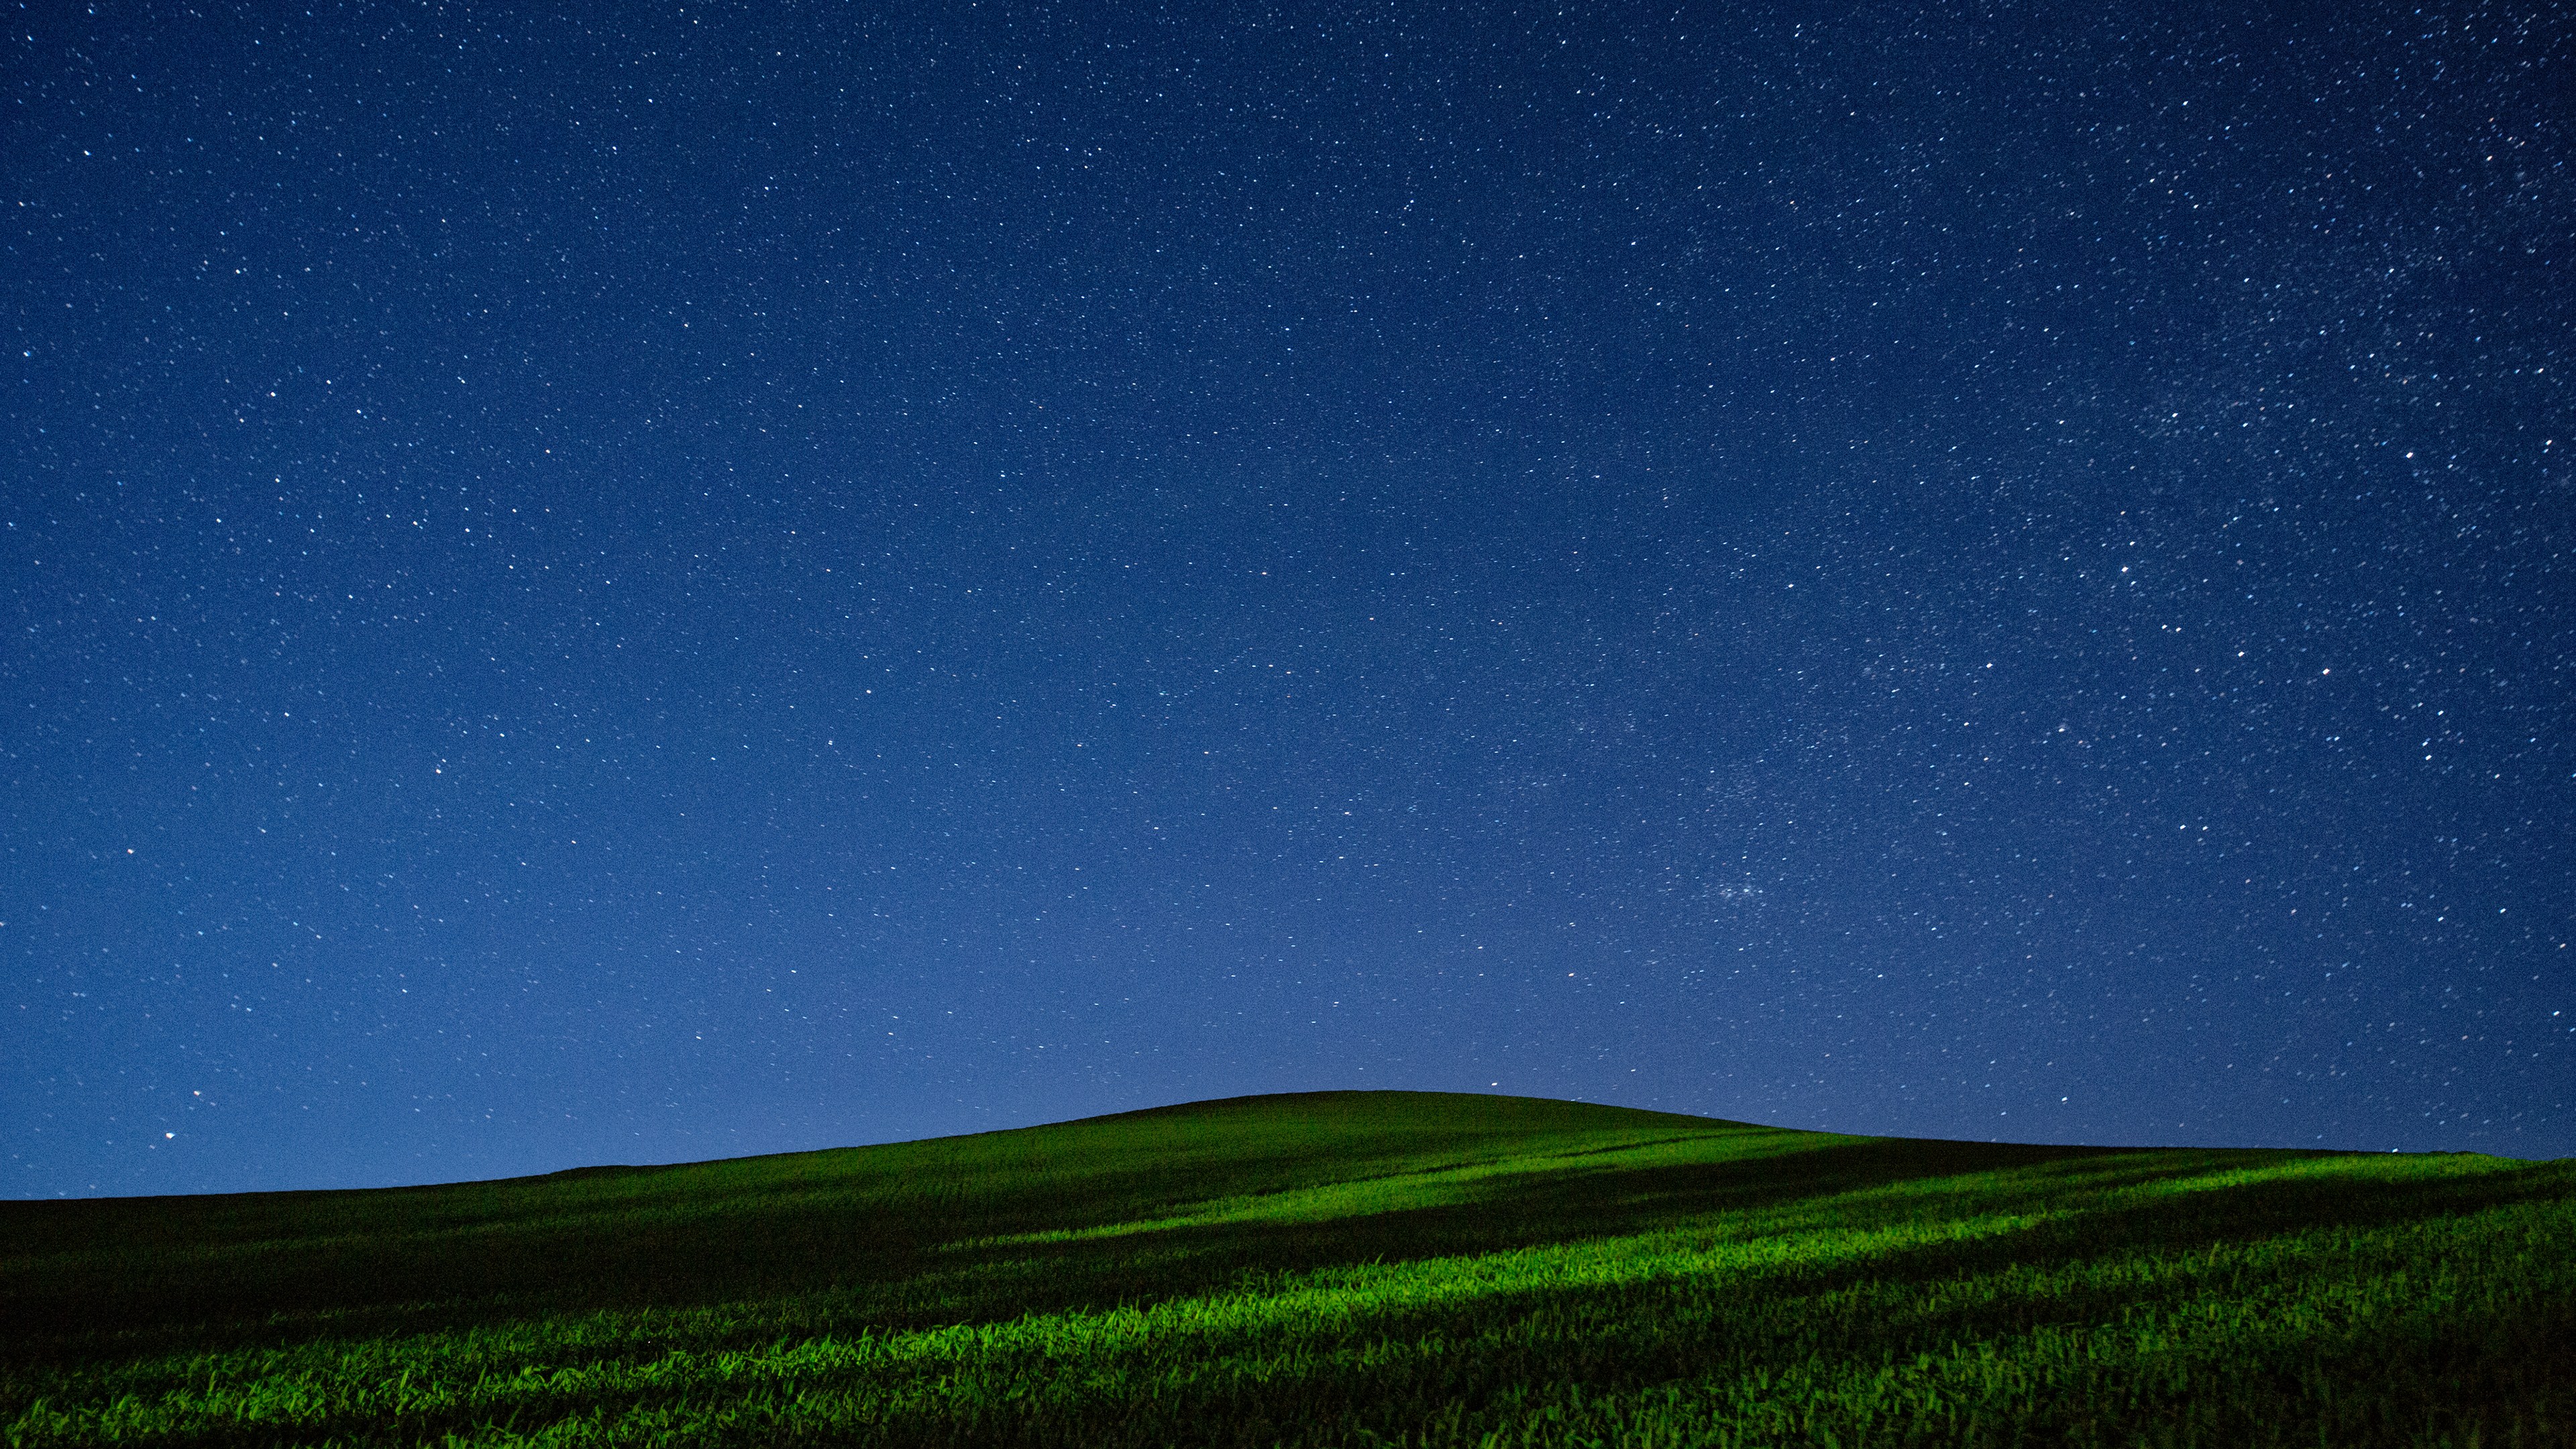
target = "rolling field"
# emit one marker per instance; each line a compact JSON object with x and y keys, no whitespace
{"x":1338,"y":1268}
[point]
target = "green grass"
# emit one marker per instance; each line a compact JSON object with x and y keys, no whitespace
{"x":1341,"y":1268}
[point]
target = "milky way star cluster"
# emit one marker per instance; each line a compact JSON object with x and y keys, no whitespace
{"x":658,"y":582}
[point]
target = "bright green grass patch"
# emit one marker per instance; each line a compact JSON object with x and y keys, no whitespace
{"x":1329,"y":1269}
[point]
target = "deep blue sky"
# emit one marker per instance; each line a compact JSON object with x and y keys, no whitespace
{"x":693,"y":581}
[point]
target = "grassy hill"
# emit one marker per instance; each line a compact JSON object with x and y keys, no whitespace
{"x":1332,"y":1268}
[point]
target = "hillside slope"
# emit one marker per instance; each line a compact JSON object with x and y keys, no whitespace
{"x":1318,"y":1269}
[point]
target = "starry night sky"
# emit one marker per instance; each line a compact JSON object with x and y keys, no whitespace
{"x":680,"y":582}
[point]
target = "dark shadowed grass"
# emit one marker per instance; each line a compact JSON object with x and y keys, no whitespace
{"x":1341,"y":1268}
